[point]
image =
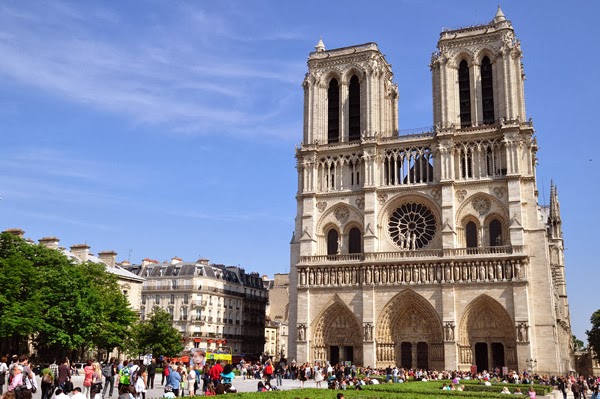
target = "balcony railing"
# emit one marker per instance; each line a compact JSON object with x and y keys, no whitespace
{"x":493,"y":264}
{"x":415,"y":254}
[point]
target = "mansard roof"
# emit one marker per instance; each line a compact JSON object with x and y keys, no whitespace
{"x":231,"y":274}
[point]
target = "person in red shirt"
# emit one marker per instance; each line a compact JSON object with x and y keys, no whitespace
{"x":268,"y":372}
{"x":215,"y":373}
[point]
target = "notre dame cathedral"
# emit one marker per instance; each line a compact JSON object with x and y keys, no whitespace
{"x":426,"y":250}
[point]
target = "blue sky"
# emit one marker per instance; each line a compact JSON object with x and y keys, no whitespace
{"x":167,"y":128}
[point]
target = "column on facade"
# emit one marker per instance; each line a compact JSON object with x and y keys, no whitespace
{"x":444,"y":91}
{"x":500,"y":101}
{"x":413,"y":350}
{"x":370,"y":103}
{"x":380,"y":100}
{"x":320,"y":123}
{"x":344,"y":111}
{"x":515,"y":72}
{"x":509,"y":86}
{"x":308,"y":109}
{"x":476,"y":107}
{"x":368,"y":316}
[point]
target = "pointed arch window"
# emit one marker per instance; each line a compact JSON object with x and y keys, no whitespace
{"x":464,"y":91}
{"x":354,"y":109}
{"x":354,"y":241}
{"x":333,"y":112}
{"x":489,"y":161}
{"x":466,"y":163}
{"x":495,"y":233}
{"x":333,"y":242}
{"x":487,"y":91}
{"x":471,"y":235}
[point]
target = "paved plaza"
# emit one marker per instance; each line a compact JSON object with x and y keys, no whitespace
{"x":248,"y":385}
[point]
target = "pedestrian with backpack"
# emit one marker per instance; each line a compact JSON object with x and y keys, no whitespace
{"x":108,"y":372}
{"x":124,"y":375}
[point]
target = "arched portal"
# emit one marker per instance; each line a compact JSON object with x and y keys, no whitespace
{"x":409,"y":333}
{"x":337,"y":336}
{"x":487,"y":336}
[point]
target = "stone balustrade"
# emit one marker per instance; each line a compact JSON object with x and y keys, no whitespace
{"x":441,"y":272}
{"x":414,"y":254}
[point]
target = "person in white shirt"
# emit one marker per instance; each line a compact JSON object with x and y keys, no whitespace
{"x":3,"y":372}
{"x":169,"y":392}
{"x":59,"y":394}
{"x":77,"y":394}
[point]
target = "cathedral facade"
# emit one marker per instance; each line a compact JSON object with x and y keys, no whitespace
{"x":427,"y":250}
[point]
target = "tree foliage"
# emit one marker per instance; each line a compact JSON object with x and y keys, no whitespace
{"x":58,"y":304}
{"x":594,"y":334}
{"x":578,"y":344}
{"x":156,"y":336}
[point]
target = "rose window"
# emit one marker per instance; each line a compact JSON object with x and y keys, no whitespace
{"x":412,"y":226}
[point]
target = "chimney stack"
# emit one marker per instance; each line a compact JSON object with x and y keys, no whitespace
{"x":108,"y":257}
{"x":175,"y":260}
{"x":148,"y":261}
{"x":203,"y":261}
{"x":15,"y":232}
{"x":81,"y":251}
{"x":49,"y":242}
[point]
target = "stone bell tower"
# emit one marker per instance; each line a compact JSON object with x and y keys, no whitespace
{"x":478,"y":76}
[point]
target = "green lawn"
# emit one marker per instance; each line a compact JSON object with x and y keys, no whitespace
{"x":409,"y":390}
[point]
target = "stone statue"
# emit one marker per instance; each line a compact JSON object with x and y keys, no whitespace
{"x":302,"y":332}
{"x":413,"y":241}
{"x":402,"y":239}
{"x":368,"y":329}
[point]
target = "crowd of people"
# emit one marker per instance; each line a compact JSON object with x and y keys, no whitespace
{"x":132,"y":378}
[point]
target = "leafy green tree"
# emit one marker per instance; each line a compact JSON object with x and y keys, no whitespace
{"x":594,"y":334}
{"x":22,"y":303}
{"x":156,"y":335}
{"x":60,"y":305}
{"x":578,"y":344}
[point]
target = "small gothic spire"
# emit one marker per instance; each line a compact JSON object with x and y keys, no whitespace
{"x":499,"y":17}
{"x":554,"y":204}
{"x":320,"y":46}
{"x":554,"y":223}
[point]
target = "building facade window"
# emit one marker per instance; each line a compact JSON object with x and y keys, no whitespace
{"x":487,"y":91}
{"x":354,"y":241}
{"x":495,"y":230}
{"x":333,"y":245}
{"x":354,"y":109}
{"x":333,"y":112}
{"x":471,"y":235}
{"x":464,"y":94}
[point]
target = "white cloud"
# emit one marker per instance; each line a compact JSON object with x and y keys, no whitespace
{"x":172,"y":80}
